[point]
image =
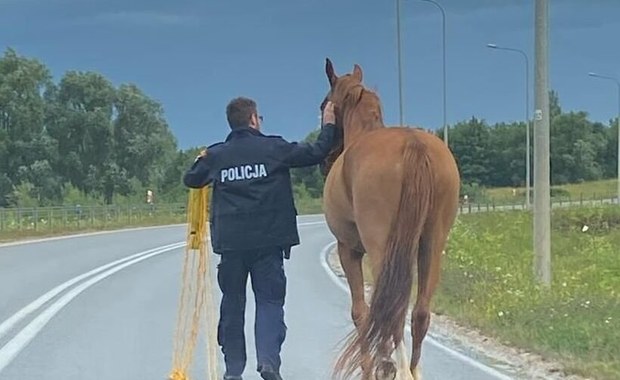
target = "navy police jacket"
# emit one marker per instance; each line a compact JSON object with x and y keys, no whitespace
{"x":252,"y":203}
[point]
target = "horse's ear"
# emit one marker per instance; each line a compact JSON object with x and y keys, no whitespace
{"x":329,"y":70}
{"x":357,"y":72}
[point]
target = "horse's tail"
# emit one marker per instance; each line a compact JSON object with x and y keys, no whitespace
{"x":382,"y":330}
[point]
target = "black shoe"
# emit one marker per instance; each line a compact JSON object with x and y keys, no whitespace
{"x":230,"y":377}
{"x":270,"y":375}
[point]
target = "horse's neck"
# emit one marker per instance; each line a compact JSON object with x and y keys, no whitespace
{"x":359,"y":125}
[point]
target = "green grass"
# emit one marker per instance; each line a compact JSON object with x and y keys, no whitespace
{"x":307,"y":205}
{"x":488,"y":283}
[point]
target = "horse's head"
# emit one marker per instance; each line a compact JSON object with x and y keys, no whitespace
{"x":346,"y":93}
{"x":337,"y":95}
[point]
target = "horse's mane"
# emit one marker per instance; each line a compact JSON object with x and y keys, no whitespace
{"x":363,"y":103}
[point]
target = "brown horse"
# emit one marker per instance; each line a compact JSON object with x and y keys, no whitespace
{"x":392,"y":194}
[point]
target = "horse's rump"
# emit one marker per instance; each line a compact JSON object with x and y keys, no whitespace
{"x":368,"y":178}
{"x":391,"y":185}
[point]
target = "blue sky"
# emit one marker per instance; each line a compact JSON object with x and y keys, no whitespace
{"x":194,"y":56}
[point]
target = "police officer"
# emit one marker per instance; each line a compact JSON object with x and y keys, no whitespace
{"x":253,"y":227}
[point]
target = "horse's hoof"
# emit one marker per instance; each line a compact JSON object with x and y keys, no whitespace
{"x":417,"y":374}
{"x":386,"y":370}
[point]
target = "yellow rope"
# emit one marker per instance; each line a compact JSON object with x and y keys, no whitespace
{"x":196,"y":292}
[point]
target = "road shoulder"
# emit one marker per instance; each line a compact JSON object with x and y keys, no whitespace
{"x":510,"y":360}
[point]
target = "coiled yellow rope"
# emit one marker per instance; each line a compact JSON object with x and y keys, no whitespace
{"x":196,"y":292}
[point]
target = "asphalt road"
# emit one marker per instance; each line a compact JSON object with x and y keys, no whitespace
{"x":117,"y":322}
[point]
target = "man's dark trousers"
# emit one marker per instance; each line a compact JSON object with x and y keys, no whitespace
{"x":266,"y":270}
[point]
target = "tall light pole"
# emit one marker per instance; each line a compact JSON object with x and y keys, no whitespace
{"x":542,"y":169}
{"x":527,"y":119}
{"x":595,"y":75}
{"x":443,"y":27}
{"x":400,"y":65}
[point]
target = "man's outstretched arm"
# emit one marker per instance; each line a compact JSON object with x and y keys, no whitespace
{"x":308,"y":154}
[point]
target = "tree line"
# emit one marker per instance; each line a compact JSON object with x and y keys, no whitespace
{"x":83,"y":141}
{"x":493,"y":155}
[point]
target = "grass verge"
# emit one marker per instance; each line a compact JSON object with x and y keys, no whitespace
{"x":309,"y":205}
{"x":488,"y":284}
{"x":89,"y":226}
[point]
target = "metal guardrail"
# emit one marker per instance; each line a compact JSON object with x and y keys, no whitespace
{"x":81,"y":217}
{"x":50,"y":219}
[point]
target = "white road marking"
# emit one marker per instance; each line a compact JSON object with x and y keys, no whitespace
{"x":310,"y":224}
{"x":36,"y":304}
{"x":10,"y":350}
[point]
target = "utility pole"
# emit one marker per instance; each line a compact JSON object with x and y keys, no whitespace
{"x":542,"y":196}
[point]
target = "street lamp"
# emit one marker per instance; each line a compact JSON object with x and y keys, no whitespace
{"x":595,"y":75}
{"x":527,"y":118}
{"x":443,"y":27}
{"x":400,"y":65}
{"x":400,"y":70}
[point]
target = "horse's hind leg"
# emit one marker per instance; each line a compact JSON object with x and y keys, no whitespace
{"x":429,"y":267}
{"x":351,"y":262}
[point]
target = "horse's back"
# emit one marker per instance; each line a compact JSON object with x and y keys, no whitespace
{"x":380,"y":153}
{"x":365,"y":183}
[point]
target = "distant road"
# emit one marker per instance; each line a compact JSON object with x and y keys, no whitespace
{"x":488,"y":207}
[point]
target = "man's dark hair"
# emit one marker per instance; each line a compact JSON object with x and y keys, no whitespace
{"x":239,"y":111}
